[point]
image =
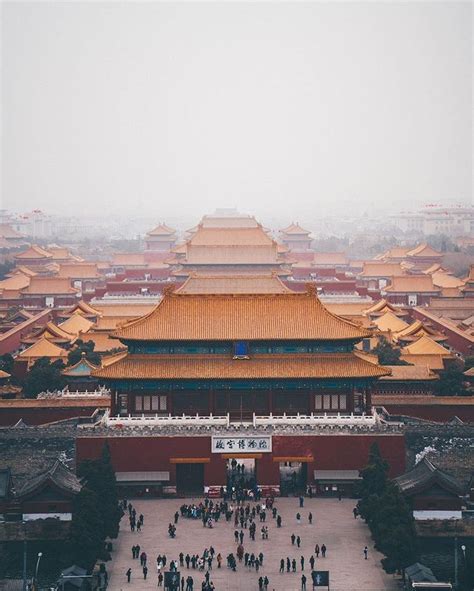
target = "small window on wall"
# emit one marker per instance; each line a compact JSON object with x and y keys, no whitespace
{"x":241,"y":350}
{"x":49,"y":301}
{"x":412,"y":299}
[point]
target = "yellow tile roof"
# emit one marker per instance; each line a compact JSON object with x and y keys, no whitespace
{"x":78,"y":270}
{"x":130,"y":310}
{"x":102,"y":341}
{"x":34,"y":252}
{"x":230,"y":237}
{"x":43,"y":348}
{"x":83,"y":307}
{"x":425,"y":345}
{"x":76,"y":324}
{"x":434,"y":362}
{"x":442,"y":279}
{"x":233,"y":284}
{"x":329,"y":258}
{"x":423,"y":250}
{"x":390,"y":322}
{"x":161,"y":230}
{"x":59,"y":252}
{"x":51,"y":332}
{"x":418,"y":329}
{"x":49,"y":285}
{"x":381,"y":269}
{"x":111,"y":322}
{"x":397,"y":252}
{"x":25,"y":271}
{"x":335,"y":365}
{"x":235,"y":317}
{"x":295,"y":229}
{"x":412,"y":284}
{"x":15,"y":282}
{"x":409,"y":373}
{"x":382,"y":306}
{"x":132,"y":259}
{"x":6,"y":231}
{"x":216,"y":221}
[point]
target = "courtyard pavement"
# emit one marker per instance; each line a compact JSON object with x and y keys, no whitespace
{"x":333,"y":525}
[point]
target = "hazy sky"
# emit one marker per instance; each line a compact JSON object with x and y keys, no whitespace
{"x":292,"y":109}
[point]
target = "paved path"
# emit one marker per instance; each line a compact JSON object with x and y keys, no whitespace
{"x":333,"y":525}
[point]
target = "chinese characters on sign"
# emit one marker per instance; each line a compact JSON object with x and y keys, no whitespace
{"x":241,"y":444}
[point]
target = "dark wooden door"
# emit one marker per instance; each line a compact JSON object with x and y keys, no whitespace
{"x":190,"y":479}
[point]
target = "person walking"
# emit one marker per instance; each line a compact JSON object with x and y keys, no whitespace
{"x":323,"y":551}
{"x":302,"y":562}
{"x":145,"y":572}
{"x":282,"y":565}
{"x":301,"y":500}
{"x":182,"y":583}
{"x":187,"y":560}
{"x":219,"y":560}
{"x":298,"y":541}
{"x":366,"y":553}
{"x":260,"y":583}
{"x":310,"y":518}
{"x":266,"y":582}
{"x":288,"y":565}
{"x":355,"y":512}
{"x":181,"y":559}
{"x":311,"y":562}
{"x":298,"y":518}
{"x":293,"y":565}
{"x":303,"y":583}
{"x":160,"y":579}
{"x":128,"y":575}
{"x":293,"y":538}
{"x":260,"y":557}
{"x":279,"y":521}
{"x":316,"y":550}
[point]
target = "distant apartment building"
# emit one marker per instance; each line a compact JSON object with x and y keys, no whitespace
{"x":453,"y":220}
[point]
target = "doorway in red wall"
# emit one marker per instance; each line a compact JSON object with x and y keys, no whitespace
{"x":190,"y":479}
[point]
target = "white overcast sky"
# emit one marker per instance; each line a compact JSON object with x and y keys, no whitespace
{"x":282,"y":108}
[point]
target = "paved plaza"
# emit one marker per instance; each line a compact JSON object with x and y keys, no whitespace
{"x":333,"y":525}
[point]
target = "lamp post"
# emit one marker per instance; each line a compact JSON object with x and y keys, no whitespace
{"x":40,"y":554}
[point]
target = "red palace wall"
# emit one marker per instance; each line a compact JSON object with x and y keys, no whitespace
{"x":330,"y":452}
{"x":41,"y":412}
{"x":439,"y":413}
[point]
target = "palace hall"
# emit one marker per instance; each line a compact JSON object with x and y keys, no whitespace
{"x":271,"y":380}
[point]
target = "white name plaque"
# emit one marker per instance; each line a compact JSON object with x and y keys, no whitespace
{"x":246,"y":444}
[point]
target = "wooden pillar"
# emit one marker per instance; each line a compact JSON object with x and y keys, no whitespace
{"x":169,"y":401}
{"x":270,"y":400}
{"x":368,"y":400}
{"x":350,"y":402}
{"x":211,"y":401}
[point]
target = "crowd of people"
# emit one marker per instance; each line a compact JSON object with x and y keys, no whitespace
{"x":245,"y":516}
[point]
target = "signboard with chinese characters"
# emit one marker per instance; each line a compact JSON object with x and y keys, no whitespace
{"x":241,"y":445}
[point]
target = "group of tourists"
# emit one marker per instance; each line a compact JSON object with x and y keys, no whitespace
{"x":245,"y":516}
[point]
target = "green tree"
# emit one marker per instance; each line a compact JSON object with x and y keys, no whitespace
{"x":6,"y":363}
{"x":452,"y":380}
{"x":393,"y":529}
{"x":87,"y":527}
{"x":44,"y":375}
{"x":374,"y":481}
{"x":387,"y":354}
{"x":86,"y":348}
{"x":100,"y":478}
